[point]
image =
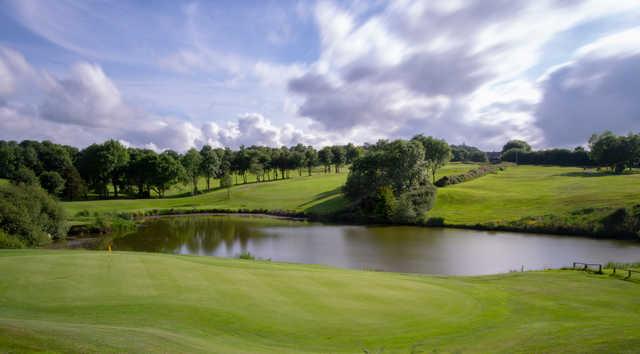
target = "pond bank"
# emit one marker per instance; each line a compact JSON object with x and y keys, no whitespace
{"x":595,"y":223}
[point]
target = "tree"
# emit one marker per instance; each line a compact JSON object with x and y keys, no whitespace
{"x":101,"y":164}
{"x":352,"y":152}
{"x":339,"y":157}
{"x":167,"y":171}
{"x":25,"y":175}
{"x":191,"y":162}
{"x":437,"y":153}
{"x":52,"y":182}
{"x":615,"y":152}
{"x":209,"y":163}
{"x":325,"y":155}
{"x":74,"y":187}
{"x":516,"y":144}
{"x":310,"y":158}
{"x":115,"y":157}
{"x":226,"y":182}
{"x":9,"y":158}
{"x":398,"y":166}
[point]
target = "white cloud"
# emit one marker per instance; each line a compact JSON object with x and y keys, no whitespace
{"x":453,"y":71}
{"x":595,"y":91}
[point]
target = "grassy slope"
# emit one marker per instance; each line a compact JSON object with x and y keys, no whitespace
{"x":3,"y":181}
{"x":509,"y":195}
{"x":532,"y":191}
{"x":318,"y":194}
{"x":72,"y":301}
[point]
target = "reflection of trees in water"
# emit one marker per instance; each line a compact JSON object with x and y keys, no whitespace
{"x":190,"y":234}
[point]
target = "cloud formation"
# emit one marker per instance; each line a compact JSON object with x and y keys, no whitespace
{"x":86,"y":106}
{"x":452,"y":70}
{"x":177,"y":74}
{"x":596,"y":91}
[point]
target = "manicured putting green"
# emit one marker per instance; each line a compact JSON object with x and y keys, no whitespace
{"x":83,"y":301}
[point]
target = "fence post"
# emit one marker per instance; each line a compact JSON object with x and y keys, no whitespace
{"x":574,"y":265}
{"x":599,"y":268}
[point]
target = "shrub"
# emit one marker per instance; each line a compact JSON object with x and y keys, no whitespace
{"x":9,"y":241}
{"x":404,"y":211}
{"x":469,"y":175}
{"x":246,"y":255}
{"x":30,"y":214}
{"x":435,"y":221}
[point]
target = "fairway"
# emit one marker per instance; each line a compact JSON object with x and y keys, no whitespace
{"x":82,"y":301}
{"x":522,"y":191}
{"x":517,"y":192}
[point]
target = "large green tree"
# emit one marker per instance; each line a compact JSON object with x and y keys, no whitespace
{"x":615,"y":152}
{"x":191,"y":161}
{"x":209,"y":164}
{"x":436,"y":153}
{"x":516,"y":144}
{"x":388,"y":175}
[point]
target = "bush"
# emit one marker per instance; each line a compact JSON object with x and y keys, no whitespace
{"x":9,"y":241}
{"x":404,"y":211}
{"x":436,"y":221}
{"x":469,"y":175}
{"x":30,"y":214}
{"x":246,"y":255}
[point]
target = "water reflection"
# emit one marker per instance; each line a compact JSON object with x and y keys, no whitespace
{"x":400,"y":249}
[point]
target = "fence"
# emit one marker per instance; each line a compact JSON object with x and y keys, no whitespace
{"x":585,"y":266}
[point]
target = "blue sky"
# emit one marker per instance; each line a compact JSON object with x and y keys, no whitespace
{"x":170,"y":74}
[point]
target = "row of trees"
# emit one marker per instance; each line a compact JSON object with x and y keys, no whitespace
{"x":466,"y":153}
{"x":110,"y":169}
{"x":606,"y":150}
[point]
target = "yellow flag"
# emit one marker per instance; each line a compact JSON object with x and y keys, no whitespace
{"x":109,"y":248}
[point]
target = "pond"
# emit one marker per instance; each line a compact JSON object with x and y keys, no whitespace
{"x":386,"y":248}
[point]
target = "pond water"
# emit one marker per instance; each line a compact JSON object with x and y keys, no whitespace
{"x":386,"y":248}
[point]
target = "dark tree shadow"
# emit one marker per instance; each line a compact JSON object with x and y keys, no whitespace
{"x":322,"y":195}
{"x":587,"y":174}
{"x":331,"y":205}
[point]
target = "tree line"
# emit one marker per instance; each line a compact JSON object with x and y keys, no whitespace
{"x":110,"y":169}
{"x":617,"y":153}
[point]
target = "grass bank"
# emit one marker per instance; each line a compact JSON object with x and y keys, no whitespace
{"x":528,"y":198}
{"x":82,"y":301}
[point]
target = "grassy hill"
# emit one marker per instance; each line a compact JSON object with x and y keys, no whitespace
{"x":513,"y":194}
{"x":82,"y":301}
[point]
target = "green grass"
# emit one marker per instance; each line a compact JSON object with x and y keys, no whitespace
{"x":3,"y":181}
{"x":517,"y":192}
{"x":319,"y":193}
{"x":83,"y":301}
{"x":522,"y":191}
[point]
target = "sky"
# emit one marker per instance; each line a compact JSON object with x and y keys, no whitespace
{"x":176,"y":75}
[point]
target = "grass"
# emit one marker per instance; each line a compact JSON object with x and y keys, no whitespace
{"x":319,"y":193}
{"x":523,"y":191}
{"x":84,"y":301}
{"x":3,"y":181}
{"x":513,"y":194}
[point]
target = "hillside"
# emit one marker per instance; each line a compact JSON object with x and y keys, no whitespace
{"x":510,"y":195}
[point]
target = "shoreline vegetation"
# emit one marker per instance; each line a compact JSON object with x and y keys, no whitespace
{"x":589,"y":221}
